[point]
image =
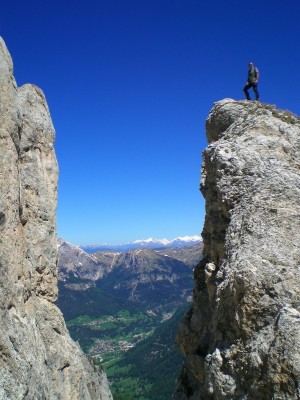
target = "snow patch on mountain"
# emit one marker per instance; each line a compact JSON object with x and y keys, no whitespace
{"x":150,"y":243}
{"x":184,"y":240}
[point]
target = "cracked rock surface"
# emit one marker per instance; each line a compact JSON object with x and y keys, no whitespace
{"x":38,"y":359}
{"x":241,"y":338}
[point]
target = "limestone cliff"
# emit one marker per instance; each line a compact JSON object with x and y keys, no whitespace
{"x":38,"y":359}
{"x":241,"y":337}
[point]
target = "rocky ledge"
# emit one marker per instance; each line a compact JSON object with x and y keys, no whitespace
{"x":241,"y":338}
{"x":38,"y":359}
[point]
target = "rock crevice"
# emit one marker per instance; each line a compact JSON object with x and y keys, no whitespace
{"x":241,"y":338}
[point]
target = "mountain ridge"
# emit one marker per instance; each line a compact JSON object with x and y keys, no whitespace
{"x":93,"y":266}
{"x":131,"y":274}
{"x":150,"y":243}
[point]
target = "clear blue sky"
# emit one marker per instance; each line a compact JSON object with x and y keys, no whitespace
{"x":129,"y":85}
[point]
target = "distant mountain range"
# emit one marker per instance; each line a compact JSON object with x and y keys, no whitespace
{"x":159,"y":280}
{"x":124,"y":308}
{"x":154,"y":244}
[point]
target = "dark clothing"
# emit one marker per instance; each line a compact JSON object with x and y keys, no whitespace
{"x":251,"y":82}
{"x":252,"y":75}
{"x":247,"y":87}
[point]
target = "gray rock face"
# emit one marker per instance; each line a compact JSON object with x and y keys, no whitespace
{"x":38,"y":359}
{"x":241,"y":338}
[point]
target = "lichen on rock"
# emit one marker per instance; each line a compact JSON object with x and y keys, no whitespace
{"x":241,"y":337}
{"x":38,"y":359}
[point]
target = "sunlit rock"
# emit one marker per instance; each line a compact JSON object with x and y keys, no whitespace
{"x":38,"y":359}
{"x":241,"y":338}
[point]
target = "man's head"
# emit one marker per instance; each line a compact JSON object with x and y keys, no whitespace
{"x":251,"y":65}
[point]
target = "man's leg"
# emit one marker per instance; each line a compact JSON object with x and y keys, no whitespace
{"x":246,"y":88}
{"x":255,"y":91}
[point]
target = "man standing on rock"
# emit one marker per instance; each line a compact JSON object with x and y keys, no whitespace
{"x":253,"y":76}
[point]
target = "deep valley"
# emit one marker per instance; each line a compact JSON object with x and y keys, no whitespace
{"x":124,"y":310}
